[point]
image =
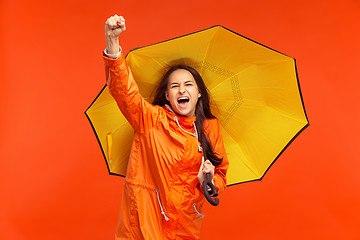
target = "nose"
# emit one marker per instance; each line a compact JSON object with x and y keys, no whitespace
{"x":182,"y":89}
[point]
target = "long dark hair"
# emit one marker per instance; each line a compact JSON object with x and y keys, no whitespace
{"x":202,"y":109}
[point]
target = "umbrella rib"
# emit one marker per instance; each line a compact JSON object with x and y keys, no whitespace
{"x":154,"y":59}
{"x":283,"y":113}
{"x":251,"y":167}
{"x":232,"y":76}
{"x":286,"y":114}
{"x":240,"y":72}
{"x":207,"y":50}
{"x":162,"y":65}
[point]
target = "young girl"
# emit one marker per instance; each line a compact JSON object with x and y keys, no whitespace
{"x":162,"y":197}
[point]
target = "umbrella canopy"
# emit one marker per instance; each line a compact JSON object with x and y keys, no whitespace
{"x":255,"y":94}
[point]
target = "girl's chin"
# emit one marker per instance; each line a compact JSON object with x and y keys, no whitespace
{"x":184,"y":113}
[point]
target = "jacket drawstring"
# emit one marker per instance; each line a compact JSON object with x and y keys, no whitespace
{"x":192,"y":134}
{"x":197,"y":212}
{"x":162,"y":210}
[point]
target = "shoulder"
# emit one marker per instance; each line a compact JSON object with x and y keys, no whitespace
{"x":212,"y":126}
{"x":160,"y":114}
{"x":212,"y":123}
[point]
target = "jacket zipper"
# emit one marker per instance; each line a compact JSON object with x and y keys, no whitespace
{"x":162,"y":210}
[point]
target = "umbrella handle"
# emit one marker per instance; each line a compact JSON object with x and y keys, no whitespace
{"x":207,"y":182}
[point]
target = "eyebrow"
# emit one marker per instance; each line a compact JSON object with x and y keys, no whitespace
{"x":188,"y":81}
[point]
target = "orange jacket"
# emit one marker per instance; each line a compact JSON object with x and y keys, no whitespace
{"x":162,"y":197}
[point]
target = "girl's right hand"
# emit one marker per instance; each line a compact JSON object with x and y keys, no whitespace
{"x":114,"y":26}
{"x":206,"y":167}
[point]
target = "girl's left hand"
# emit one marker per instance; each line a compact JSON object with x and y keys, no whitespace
{"x":206,"y":167}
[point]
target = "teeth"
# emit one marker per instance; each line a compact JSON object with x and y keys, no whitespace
{"x":183,"y":99}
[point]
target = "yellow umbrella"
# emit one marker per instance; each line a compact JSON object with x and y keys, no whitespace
{"x":255,"y":94}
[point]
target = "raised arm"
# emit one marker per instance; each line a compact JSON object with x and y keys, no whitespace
{"x":140,"y":114}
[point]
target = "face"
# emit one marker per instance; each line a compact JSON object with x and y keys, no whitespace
{"x":182,"y":92}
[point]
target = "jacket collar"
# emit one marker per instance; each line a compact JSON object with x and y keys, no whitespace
{"x":186,"y":121}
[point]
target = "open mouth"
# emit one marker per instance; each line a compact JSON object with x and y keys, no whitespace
{"x":183,"y":100}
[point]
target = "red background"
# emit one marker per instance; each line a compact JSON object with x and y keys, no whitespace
{"x":54,"y":181}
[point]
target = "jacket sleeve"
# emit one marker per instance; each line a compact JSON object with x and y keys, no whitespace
{"x":141,"y":114}
{"x":218,"y":147}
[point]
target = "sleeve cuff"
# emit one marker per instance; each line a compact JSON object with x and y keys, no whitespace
{"x":112,"y":55}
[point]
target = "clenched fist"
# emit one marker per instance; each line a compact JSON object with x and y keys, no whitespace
{"x":114,"y":26}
